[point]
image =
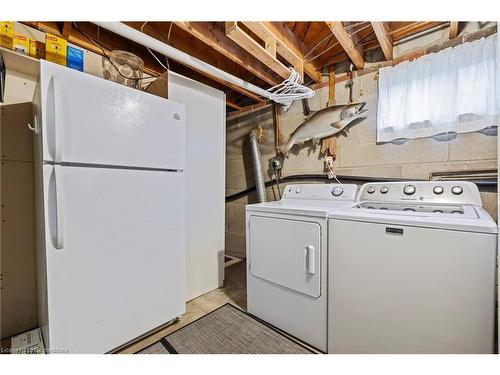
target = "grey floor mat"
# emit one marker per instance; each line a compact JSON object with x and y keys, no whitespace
{"x":156,"y":348}
{"x":228,"y":330}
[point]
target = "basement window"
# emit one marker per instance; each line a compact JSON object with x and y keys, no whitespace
{"x":452,"y":91}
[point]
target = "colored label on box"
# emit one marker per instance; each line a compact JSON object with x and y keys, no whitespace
{"x":6,"y":34}
{"x":55,"y":49}
{"x":74,"y":58}
{"x":37,"y":49}
{"x":21,"y":43}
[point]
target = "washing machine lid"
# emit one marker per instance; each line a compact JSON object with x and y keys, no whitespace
{"x":440,"y":216}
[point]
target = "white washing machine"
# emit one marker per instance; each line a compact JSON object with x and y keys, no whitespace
{"x":413,"y":270}
{"x":287,"y":255}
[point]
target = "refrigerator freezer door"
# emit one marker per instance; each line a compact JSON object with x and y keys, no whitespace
{"x":115,"y":243}
{"x":86,"y":119}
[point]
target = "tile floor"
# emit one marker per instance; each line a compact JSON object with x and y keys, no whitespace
{"x":233,"y":291}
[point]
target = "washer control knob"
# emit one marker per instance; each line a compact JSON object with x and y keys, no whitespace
{"x":337,"y":191}
{"x":438,"y":190}
{"x":409,"y":190}
{"x":457,"y":190}
{"x":384,"y":189}
{"x":370,"y":190}
{"x":298,"y":190}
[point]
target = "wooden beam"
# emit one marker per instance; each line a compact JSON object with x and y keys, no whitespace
{"x":277,"y":126}
{"x":383,"y":38}
{"x":413,"y":28}
{"x":66,"y":29}
{"x":288,"y":46}
{"x":453,"y":29}
{"x":245,"y":41}
{"x":213,"y":37}
{"x":274,"y":45}
{"x":347,"y":43}
{"x":233,"y":105}
{"x":248,"y":110}
{"x":331,"y":85}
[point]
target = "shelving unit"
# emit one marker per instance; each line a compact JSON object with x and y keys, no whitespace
{"x":19,"y":62}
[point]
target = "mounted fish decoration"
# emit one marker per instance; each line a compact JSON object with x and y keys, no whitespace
{"x":324,"y":123}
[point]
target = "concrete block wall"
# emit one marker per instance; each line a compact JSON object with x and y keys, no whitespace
{"x":358,"y":154}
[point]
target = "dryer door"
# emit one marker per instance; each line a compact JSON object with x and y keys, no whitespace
{"x":286,"y":252}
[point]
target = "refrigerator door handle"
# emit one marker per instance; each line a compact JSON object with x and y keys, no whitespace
{"x":53,"y":109}
{"x":59,"y":242}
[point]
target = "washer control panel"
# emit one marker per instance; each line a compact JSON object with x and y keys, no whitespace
{"x":336,"y":192}
{"x":462,"y":192}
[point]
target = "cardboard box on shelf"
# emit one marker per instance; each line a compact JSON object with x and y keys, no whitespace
{"x":74,"y":58}
{"x":6,"y":34}
{"x":21,"y":43}
{"x":55,"y":49}
{"x":37,"y":49}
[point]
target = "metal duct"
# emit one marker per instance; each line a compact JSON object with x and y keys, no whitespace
{"x":257,"y":166}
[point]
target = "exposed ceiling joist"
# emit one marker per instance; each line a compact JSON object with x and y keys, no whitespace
{"x":383,"y":38}
{"x":239,"y":36}
{"x":271,"y":43}
{"x":66,"y":29}
{"x":347,"y":43}
{"x":232,"y":105}
{"x":453,"y":29}
{"x":292,"y":41}
{"x":413,"y":28}
{"x":287,"y":45}
{"x":216,"y":39}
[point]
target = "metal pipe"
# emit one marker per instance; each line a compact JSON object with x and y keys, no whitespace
{"x":257,"y":166}
{"x":177,"y":55}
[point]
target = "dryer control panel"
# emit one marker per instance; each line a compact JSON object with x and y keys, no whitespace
{"x":331,"y":192}
{"x":459,"y":192}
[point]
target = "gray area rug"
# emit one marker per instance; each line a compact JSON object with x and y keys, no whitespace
{"x":226,"y":330}
{"x":156,"y":348}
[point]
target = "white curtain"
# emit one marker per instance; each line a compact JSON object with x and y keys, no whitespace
{"x":453,"y":90}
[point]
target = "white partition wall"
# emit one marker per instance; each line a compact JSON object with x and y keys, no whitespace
{"x":205,"y":182}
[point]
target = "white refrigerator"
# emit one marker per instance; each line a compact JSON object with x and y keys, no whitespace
{"x":111,"y":211}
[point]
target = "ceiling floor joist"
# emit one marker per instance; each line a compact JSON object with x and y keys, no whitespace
{"x":347,"y":43}
{"x":245,"y":41}
{"x":216,"y":39}
{"x":383,"y":38}
{"x":287,"y":45}
{"x":453,"y":29}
